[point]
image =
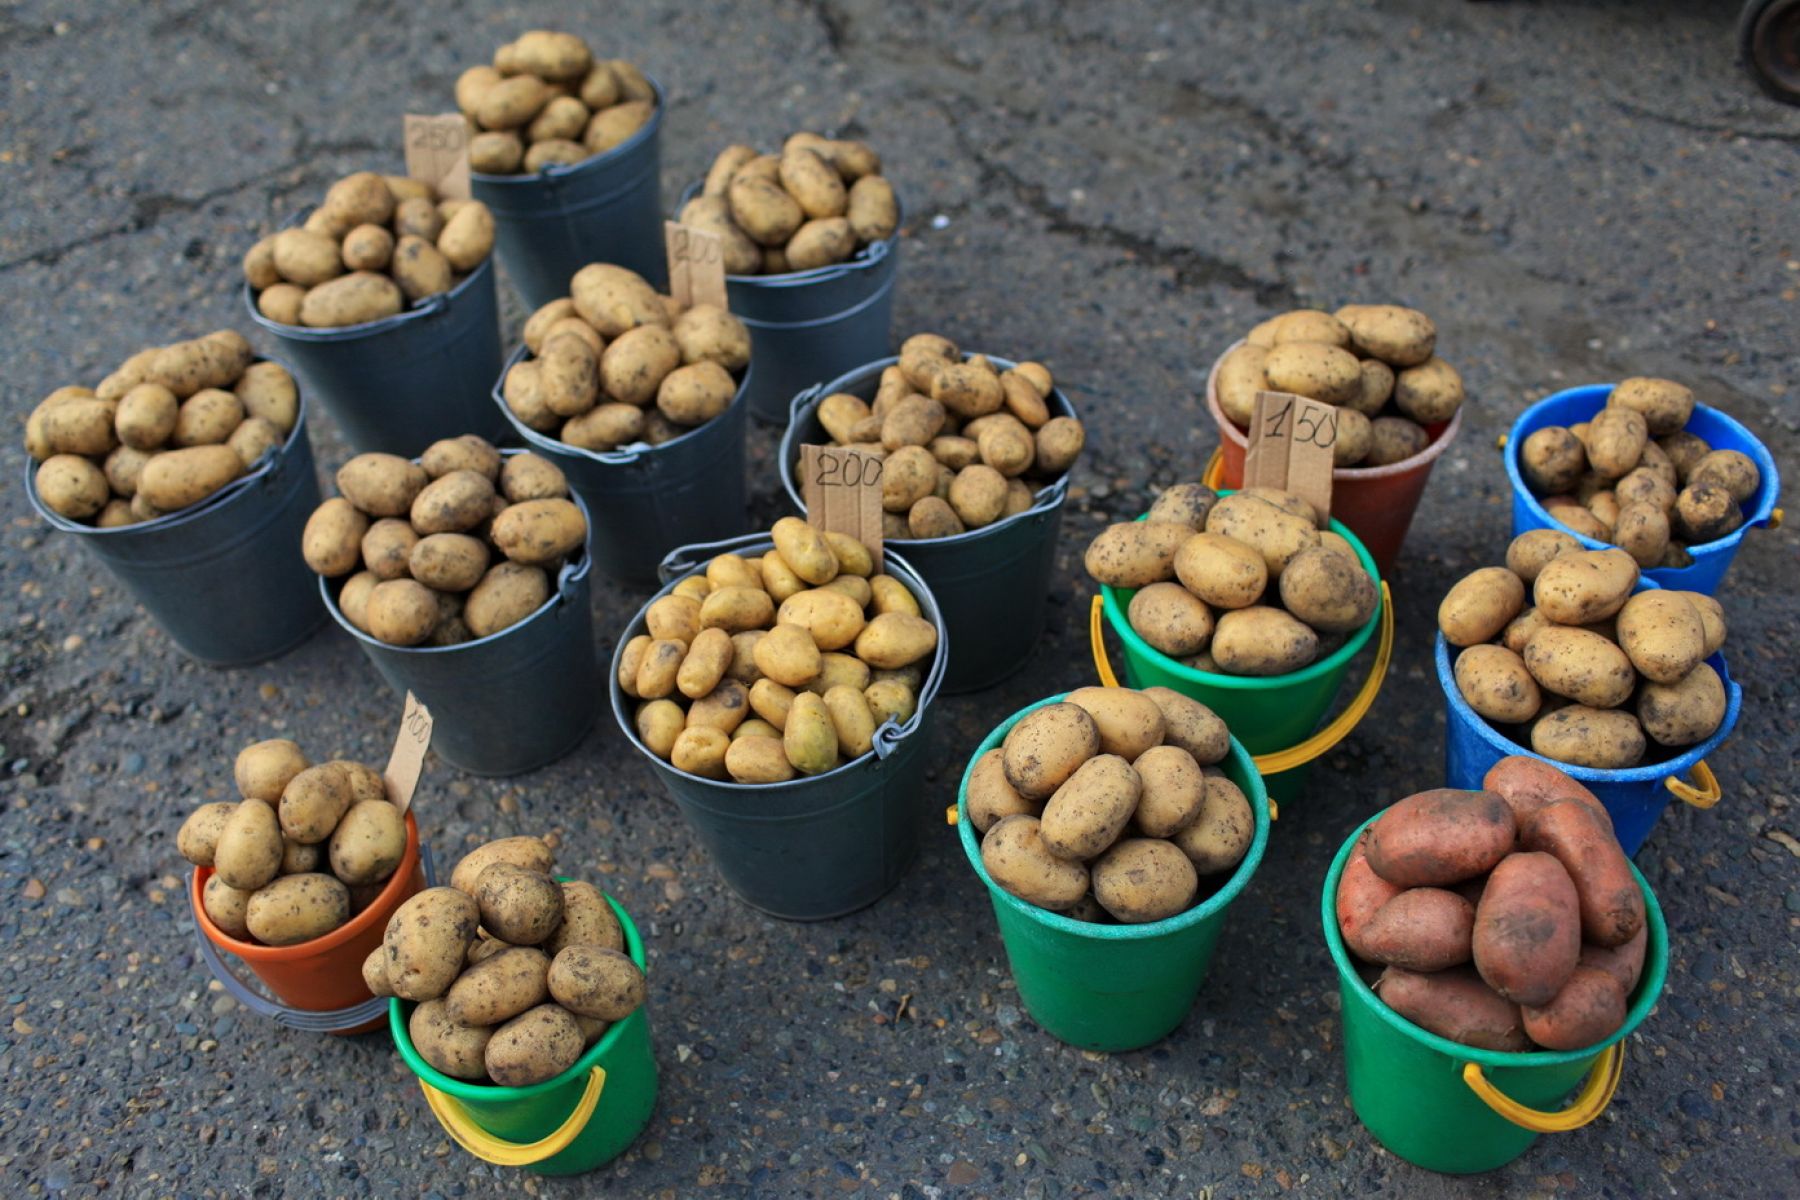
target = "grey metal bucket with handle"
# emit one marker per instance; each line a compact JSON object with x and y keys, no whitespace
{"x":512,"y":701}
{"x":811,"y":325}
{"x":820,"y":846}
{"x":605,"y":209}
{"x":651,"y":499}
{"x":993,"y":583}
{"x":403,"y":382}
{"x":224,"y":578}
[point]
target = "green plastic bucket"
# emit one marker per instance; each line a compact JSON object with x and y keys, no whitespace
{"x":1273,"y":715}
{"x":553,"y":1127}
{"x":1418,"y":1093}
{"x":1111,"y":987}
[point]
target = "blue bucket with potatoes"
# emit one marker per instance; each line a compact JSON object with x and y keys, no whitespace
{"x":1711,"y":559}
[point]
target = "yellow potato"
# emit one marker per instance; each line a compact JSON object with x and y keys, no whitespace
{"x":1241,"y":374}
{"x":1663,"y":635}
{"x":1172,"y":619}
{"x":894,"y":639}
{"x":1260,"y":640}
{"x":175,"y":479}
{"x":1664,"y":404}
{"x":1497,"y":684}
{"x":1605,"y":738}
{"x":1276,"y":534}
{"x":1402,"y":337}
{"x":1581,"y":588}
{"x":1091,"y":808}
{"x":1429,"y":393}
{"x":833,"y":619}
{"x":1323,"y":372}
{"x":1129,"y":721}
{"x":1216,"y":840}
{"x":506,"y":595}
{"x":1480,"y":605}
{"x":1191,"y":725}
{"x":461,"y":500}
{"x":1144,"y":879}
{"x":1580,"y":664}
{"x":1328,"y":590}
{"x":724,"y":708}
{"x":808,"y":736}
{"x":1527,"y":554}
{"x":296,"y":908}
{"x":1014,"y":855}
{"x":368,"y":843}
{"x":660,"y":723}
{"x":873,"y":209}
{"x":1046,"y":747}
{"x":990,"y":798}
{"x":1136,"y":554}
{"x":247,"y":853}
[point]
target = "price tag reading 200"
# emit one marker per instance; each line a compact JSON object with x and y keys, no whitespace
{"x":842,"y":490}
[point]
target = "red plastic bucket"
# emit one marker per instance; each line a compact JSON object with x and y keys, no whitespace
{"x":1377,"y":503}
{"x":325,"y":974}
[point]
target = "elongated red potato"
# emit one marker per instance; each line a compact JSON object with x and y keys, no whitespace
{"x":1590,"y":1008}
{"x":1441,"y":837}
{"x":1360,"y":895}
{"x":1527,"y":784}
{"x":1528,"y":929}
{"x":1455,"y":1004}
{"x":1612,"y":904}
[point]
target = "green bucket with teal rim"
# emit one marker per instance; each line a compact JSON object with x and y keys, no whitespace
{"x":1111,"y":987}
{"x":1457,"y":1109}
{"x":582,"y":1119}
{"x":1275,"y":716}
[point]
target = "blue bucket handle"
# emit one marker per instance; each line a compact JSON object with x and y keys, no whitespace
{"x":338,"y":1020}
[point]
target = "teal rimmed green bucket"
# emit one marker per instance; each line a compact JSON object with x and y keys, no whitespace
{"x":583,"y":1118}
{"x":1273,"y":715}
{"x":1111,"y":987}
{"x":1456,"y":1109}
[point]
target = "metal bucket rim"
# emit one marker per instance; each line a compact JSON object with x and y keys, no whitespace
{"x":1647,"y":773}
{"x":1768,"y":488}
{"x":928,"y":690}
{"x":429,"y":306}
{"x":1337,"y":660}
{"x":610,"y":458}
{"x":867,"y":258}
{"x":1441,"y":435}
{"x":465,"y":1089}
{"x":265,"y":466}
{"x":568,"y":576}
{"x":1047,"y":499}
{"x":1213,"y":905}
{"x":556,"y":172}
{"x":1648,"y":991}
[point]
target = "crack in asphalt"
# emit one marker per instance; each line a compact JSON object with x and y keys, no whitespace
{"x":1689,"y":123}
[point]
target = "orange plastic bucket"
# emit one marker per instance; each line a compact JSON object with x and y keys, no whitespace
{"x":325,"y":974}
{"x":1377,"y":503}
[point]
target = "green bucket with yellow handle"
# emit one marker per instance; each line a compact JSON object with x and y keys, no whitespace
{"x":1275,"y":716}
{"x":1453,"y":1108}
{"x":1111,"y":987}
{"x":583,"y":1118}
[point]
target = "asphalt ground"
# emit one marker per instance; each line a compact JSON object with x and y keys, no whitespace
{"x":1576,"y":191}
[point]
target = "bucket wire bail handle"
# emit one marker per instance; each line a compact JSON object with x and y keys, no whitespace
{"x":801,"y":399}
{"x":1596,"y":1094}
{"x":472,"y":1137}
{"x":1703,"y":793}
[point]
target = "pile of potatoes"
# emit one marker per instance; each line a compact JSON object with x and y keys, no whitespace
{"x":1107,"y":806}
{"x":963,"y":443}
{"x":1244,"y":584}
{"x":818,"y":202}
{"x":513,"y":973}
{"x":761,"y":669}
{"x":1587,"y":671}
{"x":614,"y":363}
{"x":461,"y":544}
{"x":171,"y":426}
{"x":1507,"y":919}
{"x":547,"y":99}
{"x":1375,"y":363}
{"x":308,"y":846}
{"x":377,"y":244}
{"x":1635,"y":477}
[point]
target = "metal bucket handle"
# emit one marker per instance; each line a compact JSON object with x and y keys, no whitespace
{"x":337,"y":1020}
{"x":683,"y":560}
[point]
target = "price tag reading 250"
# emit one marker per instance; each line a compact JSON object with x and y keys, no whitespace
{"x":842,"y":490}
{"x":1291,"y":442}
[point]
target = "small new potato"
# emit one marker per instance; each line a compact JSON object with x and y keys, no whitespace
{"x":1144,"y":879}
{"x":297,"y":908}
{"x":1014,"y":855}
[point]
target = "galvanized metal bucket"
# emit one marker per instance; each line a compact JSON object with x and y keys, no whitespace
{"x":993,"y":583}
{"x":509,"y":702}
{"x":607,"y":209}
{"x":223,"y":578}
{"x":403,"y":382}
{"x":651,"y":499}
{"x":817,"y":847}
{"x":811,"y":325}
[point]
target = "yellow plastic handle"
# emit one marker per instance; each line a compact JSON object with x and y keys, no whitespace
{"x":1596,"y":1094}
{"x":1775,"y":518}
{"x":1214,"y":475}
{"x":1286,"y":760}
{"x":951,"y":815}
{"x":483,"y":1145}
{"x":1704,"y":792}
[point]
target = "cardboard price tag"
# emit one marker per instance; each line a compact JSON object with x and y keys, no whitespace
{"x":842,"y":490}
{"x":696,"y":265}
{"x":437,"y":151}
{"x":407,"y":762}
{"x":1291,"y":440}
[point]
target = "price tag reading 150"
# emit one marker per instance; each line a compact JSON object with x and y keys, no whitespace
{"x":1291,"y":443}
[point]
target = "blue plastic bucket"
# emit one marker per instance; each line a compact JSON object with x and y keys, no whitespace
{"x":1711,"y":559}
{"x":223,"y":578}
{"x":1635,"y":797}
{"x":605,"y":209}
{"x":651,"y":499}
{"x":806,"y":326}
{"x":401,"y":383}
